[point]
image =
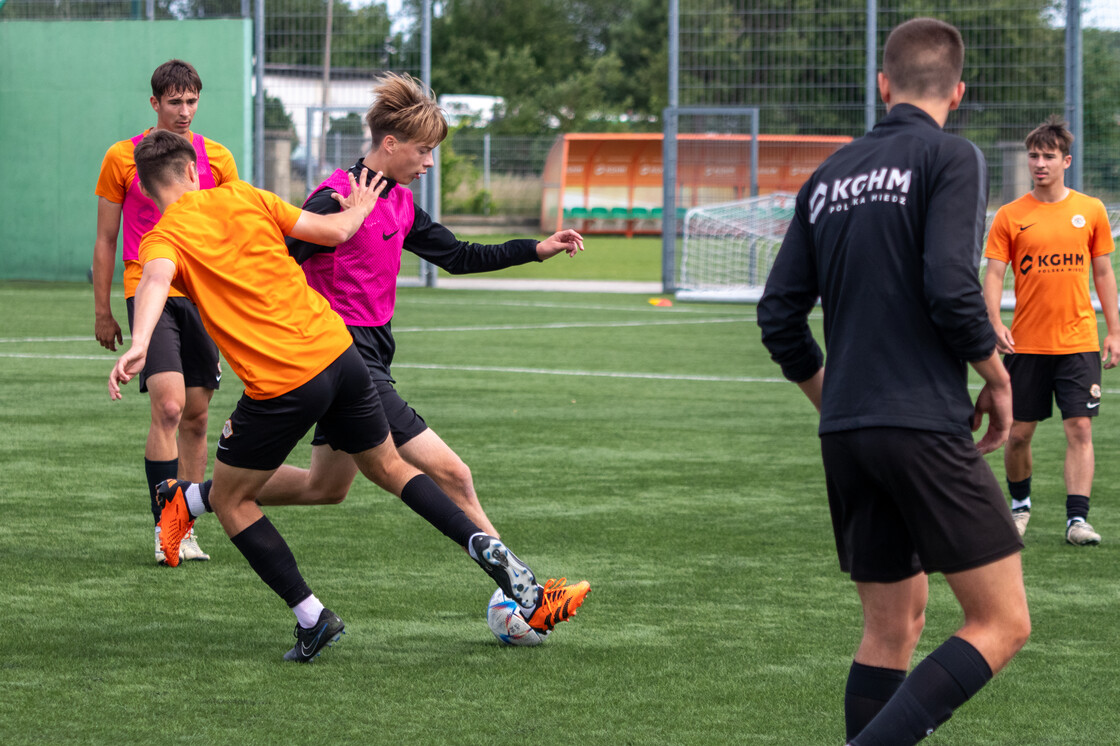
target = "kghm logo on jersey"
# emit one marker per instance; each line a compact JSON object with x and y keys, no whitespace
{"x":1051,"y":263}
{"x":880,"y":185}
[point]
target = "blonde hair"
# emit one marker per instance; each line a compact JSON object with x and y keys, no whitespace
{"x":406,"y":109}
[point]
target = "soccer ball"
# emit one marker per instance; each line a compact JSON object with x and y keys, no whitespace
{"x":503,"y":616}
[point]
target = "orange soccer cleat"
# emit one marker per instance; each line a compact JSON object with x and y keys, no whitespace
{"x":558,"y":603}
{"x":175,"y":520}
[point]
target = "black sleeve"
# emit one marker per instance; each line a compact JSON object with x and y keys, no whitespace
{"x":321,"y":203}
{"x":431,"y":241}
{"x":791,"y":293}
{"x":954,"y":230}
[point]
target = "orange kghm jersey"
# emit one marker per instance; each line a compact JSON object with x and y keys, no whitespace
{"x":227,"y":244}
{"x":1050,"y":247}
{"x":118,"y":173}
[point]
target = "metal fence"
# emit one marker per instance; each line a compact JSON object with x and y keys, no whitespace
{"x":807,"y":67}
{"x":810,"y":69}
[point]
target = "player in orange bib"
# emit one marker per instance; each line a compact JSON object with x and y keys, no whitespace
{"x":1055,"y":239}
{"x":182,"y":372}
{"x":224,"y":248}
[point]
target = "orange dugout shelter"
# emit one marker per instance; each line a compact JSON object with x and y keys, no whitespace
{"x":611,"y":182}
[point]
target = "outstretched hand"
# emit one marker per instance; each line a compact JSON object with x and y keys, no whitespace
{"x":364,"y":192}
{"x":567,"y":241}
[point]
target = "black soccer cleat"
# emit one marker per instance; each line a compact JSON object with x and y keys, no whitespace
{"x":511,"y":574}
{"x":310,"y":642}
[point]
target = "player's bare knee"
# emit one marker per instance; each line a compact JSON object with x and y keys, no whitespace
{"x":1019,"y":440}
{"x":330,"y":495}
{"x":167,"y":414}
{"x":1079,"y":431}
{"x":458,"y":479}
{"x":194,"y":425}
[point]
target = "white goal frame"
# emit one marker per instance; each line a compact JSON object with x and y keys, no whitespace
{"x":748,"y":234}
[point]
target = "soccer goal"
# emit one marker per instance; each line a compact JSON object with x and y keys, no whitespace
{"x":727,"y":249}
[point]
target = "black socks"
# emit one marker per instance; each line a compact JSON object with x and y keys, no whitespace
{"x":868,"y":689}
{"x":270,"y":557}
{"x":429,"y":502}
{"x":945,"y":680}
{"x":156,"y":472}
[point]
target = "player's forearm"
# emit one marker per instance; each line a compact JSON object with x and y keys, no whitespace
{"x":104,"y":260}
{"x":151,"y":295}
{"x":992,"y":370}
{"x":993,"y":289}
{"x":813,"y":387}
{"x":328,"y":230}
{"x":1104,"y":280}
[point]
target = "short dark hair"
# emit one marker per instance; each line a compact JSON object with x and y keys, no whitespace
{"x":406,"y":109}
{"x":160,"y":156}
{"x":174,"y":76}
{"x":1053,"y":134}
{"x":924,"y":57}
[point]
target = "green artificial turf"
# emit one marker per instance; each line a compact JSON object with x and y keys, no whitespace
{"x":652,"y":451}
{"x":603,"y":258}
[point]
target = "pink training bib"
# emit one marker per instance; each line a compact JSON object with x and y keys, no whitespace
{"x":139,"y":213}
{"x":359,"y":279}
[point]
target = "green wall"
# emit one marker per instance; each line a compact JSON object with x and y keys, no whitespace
{"x":69,"y":90}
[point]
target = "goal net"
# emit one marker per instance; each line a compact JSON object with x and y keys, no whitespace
{"x":727,"y":249}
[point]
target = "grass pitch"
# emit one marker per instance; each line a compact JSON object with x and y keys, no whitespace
{"x":652,"y":451}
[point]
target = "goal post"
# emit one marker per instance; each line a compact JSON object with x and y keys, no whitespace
{"x":727,"y":249}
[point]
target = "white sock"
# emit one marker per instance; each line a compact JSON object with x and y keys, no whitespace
{"x":194,"y":500}
{"x":307,"y":611}
{"x":1016,"y":504}
{"x":1075,"y":519}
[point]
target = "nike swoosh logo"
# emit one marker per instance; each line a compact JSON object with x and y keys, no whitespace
{"x":1093,"y":405}
{"x":1024,"y":227}
{"x":387,"y":236}
{"x":307,"y":648}
{"x":222,"y":447}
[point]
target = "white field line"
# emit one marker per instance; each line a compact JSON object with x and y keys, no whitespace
{"x":484,"y":368}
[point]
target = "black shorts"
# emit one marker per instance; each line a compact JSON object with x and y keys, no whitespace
{"x":405,"y":423}
{"x":180,"y":344}
{"x":1073,"y":380}
{"x":261,"y":433}
{"x":906,"y":501}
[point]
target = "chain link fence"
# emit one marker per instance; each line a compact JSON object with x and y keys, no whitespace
{"x":804,"y":66}
{"x":810,"y":70}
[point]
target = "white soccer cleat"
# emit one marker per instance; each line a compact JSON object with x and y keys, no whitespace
{"x":1082,"y":534}
{"x":189,"y":549}
{"x":1020,"y":519}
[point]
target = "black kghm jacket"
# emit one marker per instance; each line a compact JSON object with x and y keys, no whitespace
{"x":887,"y":233}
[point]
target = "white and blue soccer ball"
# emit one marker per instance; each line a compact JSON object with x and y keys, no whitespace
{"x":503,"y":616}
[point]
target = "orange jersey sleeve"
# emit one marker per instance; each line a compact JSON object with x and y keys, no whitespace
{"x":227,"y":245}
{"x":117,"y":170}
{"x":1050,"y":248}
{"x":221,"y":162}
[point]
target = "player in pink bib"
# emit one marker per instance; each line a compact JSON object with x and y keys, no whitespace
{"x":182,"y":370}
{"x":359,"y":279}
